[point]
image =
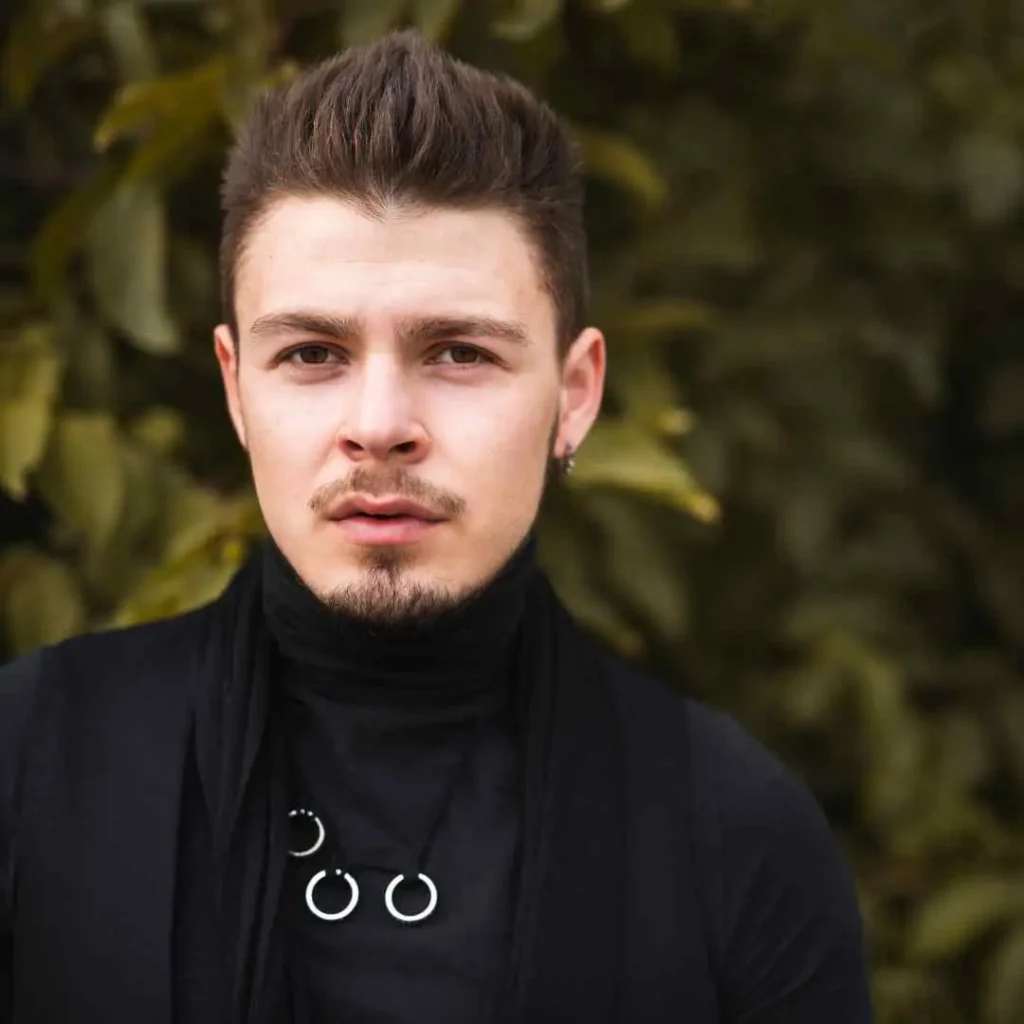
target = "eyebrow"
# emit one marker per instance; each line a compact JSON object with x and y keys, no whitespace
{"x":419,"y":328}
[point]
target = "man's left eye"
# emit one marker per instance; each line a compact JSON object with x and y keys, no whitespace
{"x":463,"y":355}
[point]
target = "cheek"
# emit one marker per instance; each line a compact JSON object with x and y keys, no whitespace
{"x":502,"y":452}
{"x":287,"y":438}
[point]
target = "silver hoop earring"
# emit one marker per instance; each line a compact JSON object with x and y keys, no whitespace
{"x":301,"y":812}
{"x":568,"y":461}
{"x":389,"y":901}
{"x":323,"y":915}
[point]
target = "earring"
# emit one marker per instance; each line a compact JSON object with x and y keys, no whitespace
{"x":567,"y":461}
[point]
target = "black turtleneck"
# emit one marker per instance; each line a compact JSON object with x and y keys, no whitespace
{"x":384,"y":723}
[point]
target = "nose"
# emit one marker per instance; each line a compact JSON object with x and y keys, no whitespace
{"x":381,"y":425}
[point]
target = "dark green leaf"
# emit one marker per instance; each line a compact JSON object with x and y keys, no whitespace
{"x":128,"y":252}
{"x":82,"y":476}
{"x":434,"y":17}
{"x":365,"y":20}
{"x":40,"y":600}
{"x":990,"y":172}
{"x":37,"y":42}
{"x":957,"y":916}
{"x":1004,"y":990}
{"x":528,"y":18}
{"x":616,"y":159}
{"x":65,"y":230}
{"x":622,"y":456}
{"x":29,"y":369}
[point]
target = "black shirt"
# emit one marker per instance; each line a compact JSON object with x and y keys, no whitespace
{"x":780,"y":927}
{"x":404,"y":741}
{"x":376,"y":774}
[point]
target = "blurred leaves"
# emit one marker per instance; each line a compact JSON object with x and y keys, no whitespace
{"x":65,"y":229}
{"x":169,"y":116}
{"x":39,"y":38}
{"x":130,"y":282}
{"x":29,"y":379}
{"x":618,"y":454}
{"x":955,"y":917}
{"x":1004,"y":992}
{"x":990,"y":172}
{"x":42,"y":602}
{"x":527,"y":18}
{"x":82,"y":478}
{"x":659,"y":317}
{"x":363,"y":20}
{"x":617,"y":160}
{"x":433,"y":17}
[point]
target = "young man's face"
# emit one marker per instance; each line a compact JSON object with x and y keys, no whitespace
{"x":410,"y":357}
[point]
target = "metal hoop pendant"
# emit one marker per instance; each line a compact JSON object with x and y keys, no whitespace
{"x":410,"y":918}
{"x":302,"y":812}
{"x":323,"y":915}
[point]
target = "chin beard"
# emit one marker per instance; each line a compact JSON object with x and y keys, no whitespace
{"x":386,"y":596}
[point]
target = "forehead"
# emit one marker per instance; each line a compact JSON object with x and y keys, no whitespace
{"x":325,"y":253}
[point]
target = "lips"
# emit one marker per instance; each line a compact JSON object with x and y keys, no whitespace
{"x":374,"y":510}
{"x":382,"y":521}
{"x":372,"y":521}
{"x":385,"y":530}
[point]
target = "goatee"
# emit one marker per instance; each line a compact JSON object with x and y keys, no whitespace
{"x":386,"y":596}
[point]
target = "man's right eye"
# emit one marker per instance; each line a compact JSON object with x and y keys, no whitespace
{"x":309,"y":355}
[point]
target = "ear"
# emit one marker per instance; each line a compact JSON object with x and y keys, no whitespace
{"x":226,"y":349}
{"x":582,"y":388}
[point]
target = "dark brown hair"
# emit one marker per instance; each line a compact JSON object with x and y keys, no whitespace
{"x":400,"y":121}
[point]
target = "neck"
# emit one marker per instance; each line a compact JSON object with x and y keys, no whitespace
{"x":459,"y":652}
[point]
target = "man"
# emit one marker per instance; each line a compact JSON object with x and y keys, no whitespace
{"x":384,"y":777}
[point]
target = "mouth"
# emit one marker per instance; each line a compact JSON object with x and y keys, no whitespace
{"x":381,"y":515}
{"x":388,"y":522}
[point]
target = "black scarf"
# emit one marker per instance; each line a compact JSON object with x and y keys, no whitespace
{"x":565,"y":959}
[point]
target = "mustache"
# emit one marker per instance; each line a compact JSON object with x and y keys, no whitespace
{"x":396,"y":483}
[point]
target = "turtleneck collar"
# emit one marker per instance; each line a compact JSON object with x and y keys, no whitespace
{"x":459,"y":655}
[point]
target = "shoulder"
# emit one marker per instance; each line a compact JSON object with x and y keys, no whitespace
{"x":778,"y":895}
{"x":84,"y":667}
{"x":17,"y":679}
{"x":18,"y":688}
{"x":731,"y":772}
{"x":73,"y":682}
{"x":18,"y":685}
{"x":741,"y":794}
{"x":745,"y":787}
{"x":116,"y":645}
{"x":80,"y":672}
{"x":759,"y":829}
{"x":91,"y":656}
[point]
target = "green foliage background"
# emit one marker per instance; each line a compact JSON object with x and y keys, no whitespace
{"x":804,"y":500}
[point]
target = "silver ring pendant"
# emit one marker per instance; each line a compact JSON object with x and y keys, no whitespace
{"x":301,"y":812}
{"x":323,"y":915}
{"x":410,"y":918}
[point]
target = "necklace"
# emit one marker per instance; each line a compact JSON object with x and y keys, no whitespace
{"x":304,"y":816}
